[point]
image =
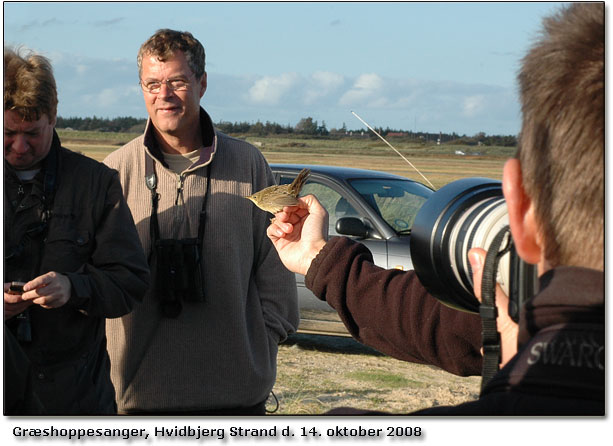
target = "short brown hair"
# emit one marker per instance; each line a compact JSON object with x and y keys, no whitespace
{"x":561,"y":146}
{"x":29,"y":85}
{"x":165,"y":42}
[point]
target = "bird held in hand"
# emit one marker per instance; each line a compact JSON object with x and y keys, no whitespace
{"x":274,"y":198}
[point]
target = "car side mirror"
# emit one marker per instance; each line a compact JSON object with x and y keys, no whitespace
{"x":352,"y":226}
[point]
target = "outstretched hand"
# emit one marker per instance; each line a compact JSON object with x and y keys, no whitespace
{"x":299,"y":232}
{"x":507,"y":327}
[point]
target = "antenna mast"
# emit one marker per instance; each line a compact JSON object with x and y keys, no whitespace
{"x":394,"y":149}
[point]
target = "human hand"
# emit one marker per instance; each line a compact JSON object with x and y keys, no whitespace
{"x":51,"y":290}
{"x":507,"y":327}
{"x":13,"y":303}
{"x":299,"y":232}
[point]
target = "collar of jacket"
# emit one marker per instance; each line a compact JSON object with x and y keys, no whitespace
{"x":567,"y":294}
{"x":209,"y":140}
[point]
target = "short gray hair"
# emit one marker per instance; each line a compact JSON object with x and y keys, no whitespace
{"x":165,"y":42}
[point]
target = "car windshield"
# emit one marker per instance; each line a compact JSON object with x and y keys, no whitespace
{"x":396,"y":201}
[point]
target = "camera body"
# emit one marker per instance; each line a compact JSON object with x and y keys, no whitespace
{"x":465,"y":214}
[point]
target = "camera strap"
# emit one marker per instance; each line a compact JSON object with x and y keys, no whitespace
{"x":487,"y":308}
{"x":175,"y":264}
{"x":151,"y":182}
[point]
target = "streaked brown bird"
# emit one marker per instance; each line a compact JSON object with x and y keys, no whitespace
{"x":274,"y":198}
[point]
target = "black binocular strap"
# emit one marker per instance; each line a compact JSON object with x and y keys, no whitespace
{"x":488,"y":310}
{"x":50,"y":179}
{"x":151,"y":182}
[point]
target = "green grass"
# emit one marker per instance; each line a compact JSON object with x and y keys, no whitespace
{"x":96,"y":137}
{"x":383,"y":379}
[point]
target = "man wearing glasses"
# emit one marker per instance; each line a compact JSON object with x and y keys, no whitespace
{"x":205,"y":339}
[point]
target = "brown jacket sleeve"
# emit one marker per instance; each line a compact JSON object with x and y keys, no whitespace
{"x":391,"y":311}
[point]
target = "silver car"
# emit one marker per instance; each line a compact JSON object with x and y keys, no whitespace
{"x":375,"y":208}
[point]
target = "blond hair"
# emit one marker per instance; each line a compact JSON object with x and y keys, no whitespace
{"x":29,"y":85}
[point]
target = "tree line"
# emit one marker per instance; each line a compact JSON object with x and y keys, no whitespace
{"x":121,"y":124}
{"x":305,"y":127}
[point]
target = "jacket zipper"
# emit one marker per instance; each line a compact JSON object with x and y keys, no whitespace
{"x":181,"y":178}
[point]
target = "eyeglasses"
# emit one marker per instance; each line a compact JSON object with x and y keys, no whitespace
{"x":154,"y":87}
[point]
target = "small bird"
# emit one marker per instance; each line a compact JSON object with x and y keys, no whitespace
{"x":274,"y":198}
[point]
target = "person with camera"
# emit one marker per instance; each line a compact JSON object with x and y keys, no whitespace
{"x":205,"y":339}
{"x":72,"y":257}
{"x":553,"y":362}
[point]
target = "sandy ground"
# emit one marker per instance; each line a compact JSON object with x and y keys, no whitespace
{"x":318,"y":373}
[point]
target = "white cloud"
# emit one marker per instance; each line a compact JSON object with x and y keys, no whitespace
{"x":367,"y":87}
{"x":109,"y":88}
{"x":328,"y":80}
{"x":474,"y":105}
{"x":270,"y":89}
{"x":321,"y":84}
{"x":109,"y":98}
{"x":368,"y":82}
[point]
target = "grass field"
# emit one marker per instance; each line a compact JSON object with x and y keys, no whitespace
{"x":319,"y":373}
{"x":438,"y":163}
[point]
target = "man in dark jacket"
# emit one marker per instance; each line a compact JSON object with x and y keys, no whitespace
{"x":72,"y":257}
{"x":553,"y":363}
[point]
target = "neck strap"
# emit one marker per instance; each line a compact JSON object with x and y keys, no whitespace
{"x":488,"y":310}
{"x":50,"y":176}
{"x":151,"y":182}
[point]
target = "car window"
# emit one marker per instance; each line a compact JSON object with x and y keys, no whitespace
{"x":336,"y":205}
{"x":396,"y":201}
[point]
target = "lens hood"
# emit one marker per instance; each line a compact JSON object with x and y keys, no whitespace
{"x":461,"y":215}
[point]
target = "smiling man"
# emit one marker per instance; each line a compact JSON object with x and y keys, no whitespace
{"x":174,"y":104}
{"x":70,"y":239}
{"x":205,"y":339}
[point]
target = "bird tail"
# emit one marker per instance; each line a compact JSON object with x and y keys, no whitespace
{"x":299,"y":181}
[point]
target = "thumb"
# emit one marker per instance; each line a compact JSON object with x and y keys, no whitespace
{"x":476,"y":257}
{"x":312,"y":204}
{"x":506,"y":326}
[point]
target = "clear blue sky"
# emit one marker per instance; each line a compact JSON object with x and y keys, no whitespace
{"x":447,"y":67}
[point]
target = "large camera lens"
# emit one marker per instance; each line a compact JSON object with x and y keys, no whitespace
{"x":464,"y":214}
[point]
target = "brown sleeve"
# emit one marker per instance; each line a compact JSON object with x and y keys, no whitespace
{"x":392,"y":312}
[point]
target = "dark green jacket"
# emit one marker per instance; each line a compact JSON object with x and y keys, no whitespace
{"x":86,"y":232}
